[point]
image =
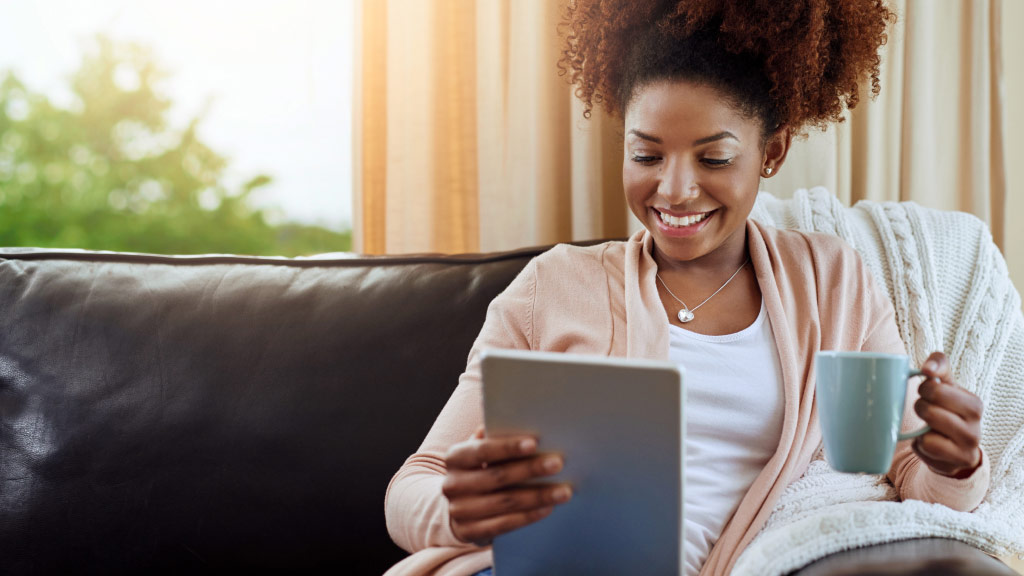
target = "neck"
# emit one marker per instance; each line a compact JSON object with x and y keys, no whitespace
{"x":729,"y":256}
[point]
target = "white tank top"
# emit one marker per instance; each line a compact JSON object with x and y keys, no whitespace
{"x":734,"y":412}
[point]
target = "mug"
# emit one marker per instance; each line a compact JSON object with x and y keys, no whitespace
{"x":860,"y":398}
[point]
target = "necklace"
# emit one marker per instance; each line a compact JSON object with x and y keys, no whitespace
{"x":686,"y":314}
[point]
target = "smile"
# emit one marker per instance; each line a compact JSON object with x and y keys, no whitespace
{"x":684,"y":221}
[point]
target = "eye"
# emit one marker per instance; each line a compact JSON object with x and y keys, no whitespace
{"x":717,"y":162}
{"x":644,"y":160}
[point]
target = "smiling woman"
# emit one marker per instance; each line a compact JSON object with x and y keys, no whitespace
{"x":691,"y":171}
{"x":710,"y":95}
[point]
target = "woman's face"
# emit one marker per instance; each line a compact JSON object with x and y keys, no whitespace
{"x":691,"y":168}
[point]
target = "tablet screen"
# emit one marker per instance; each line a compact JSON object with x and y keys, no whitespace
{"x":619,"y":425}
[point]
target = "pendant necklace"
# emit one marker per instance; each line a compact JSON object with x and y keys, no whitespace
{"x":686,"y":314}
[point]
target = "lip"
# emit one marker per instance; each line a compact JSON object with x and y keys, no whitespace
{"x":683,"y":232}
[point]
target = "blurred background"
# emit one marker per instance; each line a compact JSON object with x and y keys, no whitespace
{"x":467,"y":139}
{"x":392,"y":126}
{"x":182,"y":126}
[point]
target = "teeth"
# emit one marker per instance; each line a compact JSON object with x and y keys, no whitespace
{"x":684,"y":221}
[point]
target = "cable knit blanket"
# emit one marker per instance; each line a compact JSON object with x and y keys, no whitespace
{"x":951,"y":290}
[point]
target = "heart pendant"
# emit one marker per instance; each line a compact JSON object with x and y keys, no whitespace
{"x":684,"y":315}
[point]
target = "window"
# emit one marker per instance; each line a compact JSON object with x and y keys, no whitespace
{"x":176,"y":126}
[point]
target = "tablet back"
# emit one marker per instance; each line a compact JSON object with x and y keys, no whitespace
{"x":619,"y":424}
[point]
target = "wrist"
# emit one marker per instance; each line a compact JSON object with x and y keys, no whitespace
{"x":965,"y":473}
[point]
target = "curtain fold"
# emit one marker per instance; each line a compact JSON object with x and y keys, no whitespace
{"x":469,"y":140}
{"x":484,"y":146}
{"x":936,"y":133}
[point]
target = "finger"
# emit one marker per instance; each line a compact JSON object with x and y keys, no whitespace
{"x":941,"y":453}
{"x":498,"y":476}
{"x":937,"y":365}
{"x":475,"y":453}
{"x":482,"y":532}
{"x":933,"y":461}
{"x":966,"y":435}
{"x":472,"y":508}
{"x":953,"y":398}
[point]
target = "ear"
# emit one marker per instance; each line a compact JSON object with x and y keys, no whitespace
{"x":775,"y":149}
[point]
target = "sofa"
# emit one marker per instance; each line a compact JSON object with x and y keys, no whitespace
{"x":219,"y":413}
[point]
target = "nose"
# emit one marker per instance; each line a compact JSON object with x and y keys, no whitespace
{"x":679,"y":182}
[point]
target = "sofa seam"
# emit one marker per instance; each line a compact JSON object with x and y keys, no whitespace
{"x":302,"y":262}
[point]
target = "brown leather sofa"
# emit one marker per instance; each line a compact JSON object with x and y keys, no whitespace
{"x":219,"y":413}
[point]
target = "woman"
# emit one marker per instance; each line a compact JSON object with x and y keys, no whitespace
{"x":711,"y":95}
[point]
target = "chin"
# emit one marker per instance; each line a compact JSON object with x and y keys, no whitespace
{"x":680,"y":251}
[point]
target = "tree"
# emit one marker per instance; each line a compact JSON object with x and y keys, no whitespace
{"x":109,"y":173}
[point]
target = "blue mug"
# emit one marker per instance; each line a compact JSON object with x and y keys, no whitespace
{"x":860,"y":398}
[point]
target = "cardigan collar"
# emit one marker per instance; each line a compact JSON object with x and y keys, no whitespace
{"x":647,"y":335}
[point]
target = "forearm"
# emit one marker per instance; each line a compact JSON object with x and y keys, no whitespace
{"x":916,"y":481}
{"x":415,"y":509}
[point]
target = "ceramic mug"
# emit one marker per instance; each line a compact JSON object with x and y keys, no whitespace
{"x":860,"y":398}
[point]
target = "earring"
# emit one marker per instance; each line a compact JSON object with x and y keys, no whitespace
{"x":767,"y":171}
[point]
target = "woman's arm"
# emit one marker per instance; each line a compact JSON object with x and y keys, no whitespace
{"x":945,"y":466}
{"x":415,"y":508}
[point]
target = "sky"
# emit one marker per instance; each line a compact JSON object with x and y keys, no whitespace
{"x":277,"y":75}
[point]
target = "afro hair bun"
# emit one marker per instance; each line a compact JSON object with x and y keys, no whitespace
{"x":799,"y":63}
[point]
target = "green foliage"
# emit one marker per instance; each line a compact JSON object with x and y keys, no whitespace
{"x":110,"y":174}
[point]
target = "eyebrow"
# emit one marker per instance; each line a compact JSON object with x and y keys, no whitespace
{"x":640,"y":134}
{"x":721,"y":135}
{"x":705,"y":140}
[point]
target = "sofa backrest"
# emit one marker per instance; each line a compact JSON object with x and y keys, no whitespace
{"x":192,"y":413}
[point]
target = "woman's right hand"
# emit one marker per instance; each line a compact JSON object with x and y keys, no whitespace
{"x":485,"y":486}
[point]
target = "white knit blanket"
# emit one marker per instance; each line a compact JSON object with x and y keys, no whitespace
{"x":951,"y":290}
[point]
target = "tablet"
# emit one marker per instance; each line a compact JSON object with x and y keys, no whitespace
{"x":619,"y":425}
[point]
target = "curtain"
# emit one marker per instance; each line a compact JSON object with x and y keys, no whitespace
{"x":935,"y":134}
{"x":1013,"y":85}
{"x":468,"y":140}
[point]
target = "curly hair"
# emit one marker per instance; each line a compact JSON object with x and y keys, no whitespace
{"x":787,"y":62}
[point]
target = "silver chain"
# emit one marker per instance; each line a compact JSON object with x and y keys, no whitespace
{"x":694,"y":309}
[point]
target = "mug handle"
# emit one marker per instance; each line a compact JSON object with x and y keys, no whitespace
{"x":919,"y":431}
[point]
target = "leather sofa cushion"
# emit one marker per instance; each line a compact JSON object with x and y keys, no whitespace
{"x":212,"y":412}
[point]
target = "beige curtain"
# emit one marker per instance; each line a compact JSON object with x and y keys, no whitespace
{"x":468,"y":139}
{"x":936,"y":134}
{"x":1013,"y":72}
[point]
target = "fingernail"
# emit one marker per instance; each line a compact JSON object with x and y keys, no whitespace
{"x":930,"y":366}
{"x":561,"y":494}
{"x":527,"y":445}
{"x":552,"y":463}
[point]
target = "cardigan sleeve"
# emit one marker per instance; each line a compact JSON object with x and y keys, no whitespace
{"x":913,"y":479}
{"x":415,"y":509}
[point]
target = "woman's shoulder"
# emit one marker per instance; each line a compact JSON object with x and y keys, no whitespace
{"x":799,"y":245}
{"x":815,"y":259}
{"x":579,"y":277}
{"x":564,"y":268}
{"x":572,"y":259}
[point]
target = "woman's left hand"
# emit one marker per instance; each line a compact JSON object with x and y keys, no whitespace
{"x":951,"y":448}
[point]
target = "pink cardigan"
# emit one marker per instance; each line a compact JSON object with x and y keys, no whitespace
{"x":603,"y":300}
